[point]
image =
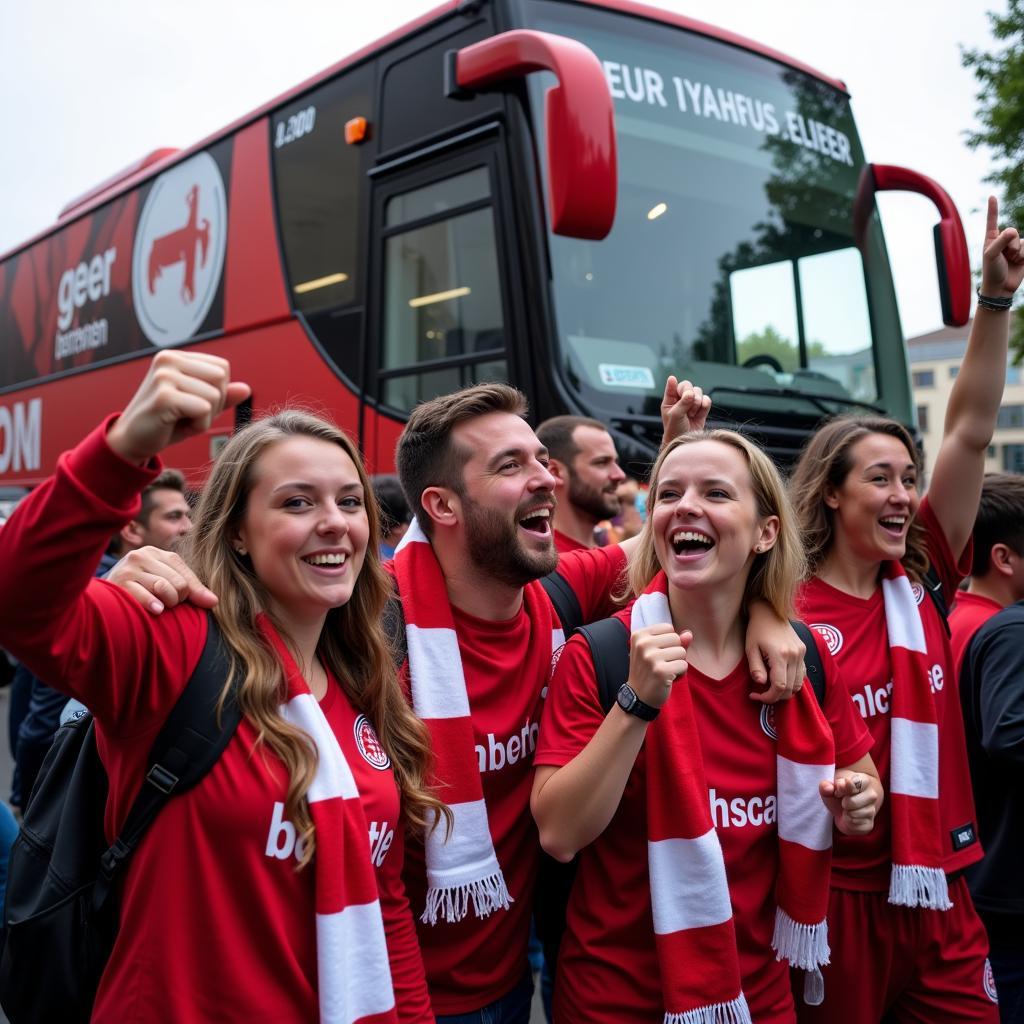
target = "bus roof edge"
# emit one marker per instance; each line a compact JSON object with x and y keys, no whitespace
{"x":155,"y":157}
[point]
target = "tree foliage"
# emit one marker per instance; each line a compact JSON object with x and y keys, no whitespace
{"x":770,"y":342}
{"x":1000,"y":76}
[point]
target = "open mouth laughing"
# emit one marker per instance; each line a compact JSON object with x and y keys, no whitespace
{"x":537,"y":521}
{"x":894,"y":525}
{"x":691,"y":543}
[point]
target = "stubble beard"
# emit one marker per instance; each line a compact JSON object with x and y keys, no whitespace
{"x":596,"y":504}
{"x":494,"y":546}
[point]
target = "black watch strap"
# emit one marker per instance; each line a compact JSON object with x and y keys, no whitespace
{"x":627,"y":699}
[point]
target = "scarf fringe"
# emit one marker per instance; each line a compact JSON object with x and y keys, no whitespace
{"x":804,"y":945}
{"x":913,"y":886}
{"x":452,"y":902}
{"x":735,"y":1012}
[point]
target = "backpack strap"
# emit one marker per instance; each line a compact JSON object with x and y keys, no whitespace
{"x":187,"y":747}
{"x":933,"y":588}
{"x":609,"y":650}
{"x":567,"y":604}
{"x":812,"y":660}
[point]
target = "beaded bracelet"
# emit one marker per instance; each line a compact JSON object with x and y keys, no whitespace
{"x":997,"y":305}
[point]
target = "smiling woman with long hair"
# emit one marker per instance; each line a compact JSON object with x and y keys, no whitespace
{"x":255,"y":895}
{"x":702,"y":818}
{"x":876,"y":548}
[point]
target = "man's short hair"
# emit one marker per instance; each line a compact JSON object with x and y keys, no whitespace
{"x":394,"y":509}
{"x":1000,"y":519}
{"x":425,"y":455}
{"x":556,"y":434}
{"x":168,"y":480}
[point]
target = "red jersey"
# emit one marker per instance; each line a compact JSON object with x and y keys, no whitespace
{"x":216,"y":923}
{"x":969,"y":614}
{"x":608,"y":968}
{"x":856,"y":634}
{"x":564,"y":543}
{"x":473,"y":962}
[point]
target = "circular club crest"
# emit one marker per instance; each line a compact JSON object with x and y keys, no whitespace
{"x":989,"y":981}
{"x":179,"y":250}
{"x":832,"y":637}
{"x":369,"y":746}
{"x":918,"y":591}
{"x":768,"y":721}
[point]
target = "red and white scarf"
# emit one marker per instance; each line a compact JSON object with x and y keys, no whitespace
{"x":462,"y":868}
{"x":690,"y":902}
{"x":353,"y":971}
{"x":917,"y":879}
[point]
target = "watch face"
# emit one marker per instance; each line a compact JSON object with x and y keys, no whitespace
{"x":626,"y":697}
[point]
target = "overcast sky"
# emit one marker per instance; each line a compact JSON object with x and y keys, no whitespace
{"x":87,"y":88}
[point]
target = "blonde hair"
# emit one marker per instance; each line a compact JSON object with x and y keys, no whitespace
{"x":824,"y":465}
{"x":775,"y":573}
{"x":352,"y":644}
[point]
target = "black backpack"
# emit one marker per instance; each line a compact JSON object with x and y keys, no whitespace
{"x":609,"y":649}
{"x":61,"y":913}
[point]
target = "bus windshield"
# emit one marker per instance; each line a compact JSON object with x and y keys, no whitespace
{"x":732,"y":259}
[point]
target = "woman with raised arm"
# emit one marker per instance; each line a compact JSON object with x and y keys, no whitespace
{"x":703,"y":844}
{"x":884,"y":563}
{"x":244,"y":901}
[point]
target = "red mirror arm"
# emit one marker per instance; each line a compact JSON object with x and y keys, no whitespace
{"x":581,"y":159}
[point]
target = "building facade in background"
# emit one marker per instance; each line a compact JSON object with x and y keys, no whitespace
{"x":934,"y":363}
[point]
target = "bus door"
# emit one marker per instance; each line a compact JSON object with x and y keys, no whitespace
{"x":443,"y":305}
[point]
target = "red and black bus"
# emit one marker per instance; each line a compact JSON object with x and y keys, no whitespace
{"x":576,"y":197}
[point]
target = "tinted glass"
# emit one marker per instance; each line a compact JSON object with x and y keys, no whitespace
{"x":438,"y":197}
{"x":1010,"y":416}
{"x":442,"y":291}
{"x":1013,"y":458}
{"x":319,"y":180}
{"x":732,"y":258}
{"x":443,"y":297}
{"x":405,"y":391}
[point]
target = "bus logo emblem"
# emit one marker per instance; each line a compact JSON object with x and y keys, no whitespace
{"x":179,"y":251}
{"x":180,"y":247}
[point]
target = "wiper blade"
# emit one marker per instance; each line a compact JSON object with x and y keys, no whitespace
{"x":815,"y":399}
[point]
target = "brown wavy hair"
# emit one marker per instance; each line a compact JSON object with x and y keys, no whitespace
{"x":775,"y":573}
{"x":352,"y":645}
{"x":824,"y":464}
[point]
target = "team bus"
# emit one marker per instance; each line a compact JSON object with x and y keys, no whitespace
{"x":577,"y":197}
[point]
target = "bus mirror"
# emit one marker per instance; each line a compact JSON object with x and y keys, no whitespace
{"x":952,"y":263}
{"x":580,"y":128}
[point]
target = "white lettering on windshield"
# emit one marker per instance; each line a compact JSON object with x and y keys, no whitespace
{"x":642,"y":85}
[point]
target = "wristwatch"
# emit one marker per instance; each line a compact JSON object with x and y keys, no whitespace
{"x":627,"y":699}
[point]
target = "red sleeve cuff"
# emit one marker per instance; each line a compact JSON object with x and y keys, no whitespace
{"x":103,"y":473}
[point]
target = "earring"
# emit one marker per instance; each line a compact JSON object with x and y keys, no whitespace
{"x":759,"y":549}
{"x":242,"y":551}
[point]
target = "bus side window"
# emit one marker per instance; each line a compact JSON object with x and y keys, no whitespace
{"x":443,"y":323}
{"x":320,"y":181}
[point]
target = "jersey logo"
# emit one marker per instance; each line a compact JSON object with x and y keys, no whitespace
{"x":989,"y":982}
{"x":832,"y":637}
{"x":179,"y":250}
{"x":768,"y":721}
{"x":369,"y":746}
{"x":918,"y":592}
